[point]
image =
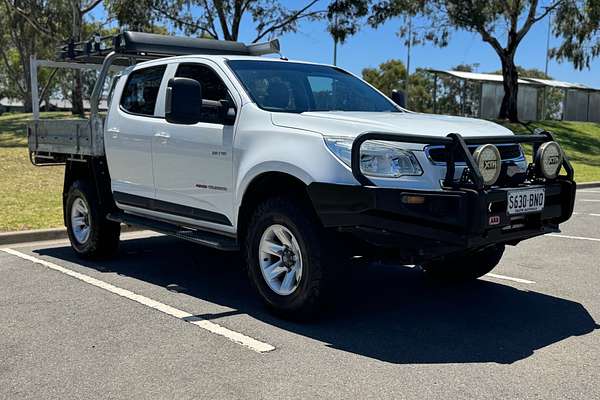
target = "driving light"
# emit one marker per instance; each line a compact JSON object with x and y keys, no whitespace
{"x":487,"y":158}
{"x":383,"y":159}
{"x":548,"y":159}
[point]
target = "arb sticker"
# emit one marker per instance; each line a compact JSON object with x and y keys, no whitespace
{"x":494,"y":220}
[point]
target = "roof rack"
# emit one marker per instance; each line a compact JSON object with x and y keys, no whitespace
{"x":106,"y":53}
{"x":148,"y":46}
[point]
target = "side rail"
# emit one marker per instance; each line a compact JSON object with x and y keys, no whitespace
{"x":454,"y":143}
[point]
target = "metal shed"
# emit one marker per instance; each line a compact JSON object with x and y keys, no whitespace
{"x":579,"y":102}
{"x":490,"y":93}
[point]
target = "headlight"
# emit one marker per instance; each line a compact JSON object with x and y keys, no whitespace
{"x":382,"y":159}
{"x":548,"y":159}
{"x":487,"y":158}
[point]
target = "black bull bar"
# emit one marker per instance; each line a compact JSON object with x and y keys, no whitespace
{"x":453,"y":142}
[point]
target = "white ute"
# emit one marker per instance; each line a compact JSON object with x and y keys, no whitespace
{"x":299,"y":165}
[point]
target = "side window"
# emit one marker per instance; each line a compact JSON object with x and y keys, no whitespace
{"x":141,"y":90}
{"x":213,"y":89}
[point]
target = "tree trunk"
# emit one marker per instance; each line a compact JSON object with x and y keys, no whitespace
{"x":77,"y":92}
{"x":508,"y":109}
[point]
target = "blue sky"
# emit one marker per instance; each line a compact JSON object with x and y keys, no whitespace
{"x":370,"y":47}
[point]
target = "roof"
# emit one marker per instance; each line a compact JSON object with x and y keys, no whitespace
{"x":6,"y":102}
{"x":474,"y":76}
{"x":58,"y":103}
{"x":560,"y":84}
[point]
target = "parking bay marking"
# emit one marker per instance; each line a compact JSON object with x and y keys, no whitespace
{"x":239,"y":338}
{"x":573,"y":237}
{"x":510,"y":278}
{"x":586,"y":214}
{"x":589,"y":200}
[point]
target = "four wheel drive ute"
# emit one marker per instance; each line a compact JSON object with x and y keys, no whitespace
{"x":299,"y":165}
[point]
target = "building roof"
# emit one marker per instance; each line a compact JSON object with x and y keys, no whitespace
{"x":63,"y":104}
{"x":474,"y":76}
{"x":560,"y":84}
{"x":6,"y":102}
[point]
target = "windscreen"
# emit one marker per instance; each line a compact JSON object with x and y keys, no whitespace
{"x":297,"y":88}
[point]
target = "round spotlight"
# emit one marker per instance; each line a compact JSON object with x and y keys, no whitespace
{"x":487,"y":158}
{"x":548,"y":160}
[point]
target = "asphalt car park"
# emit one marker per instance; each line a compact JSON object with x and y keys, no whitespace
{"x":169,"y":319}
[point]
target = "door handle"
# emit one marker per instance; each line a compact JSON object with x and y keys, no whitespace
{"x":163,"y":135}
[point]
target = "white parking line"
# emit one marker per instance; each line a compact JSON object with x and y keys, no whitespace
{"x":588,"y":191}
{"x":510,"y":278}
{"x":589,"y":200}
{"x":573,"y":237}
{"x":236,"y":337}
{"x":586,"y":214}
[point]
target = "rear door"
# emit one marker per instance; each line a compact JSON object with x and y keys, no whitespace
{"x":129,"y":132}
{"x":193,"y":164}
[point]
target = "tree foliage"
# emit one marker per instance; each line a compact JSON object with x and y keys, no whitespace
{"x":578,"y":24}
{"x":391,"y":75}
{"x":503,"y":24}
{"x":35,"y":27}
{"x":217,"y":19}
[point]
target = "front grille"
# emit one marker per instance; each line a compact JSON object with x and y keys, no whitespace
{"x":507,"y":152}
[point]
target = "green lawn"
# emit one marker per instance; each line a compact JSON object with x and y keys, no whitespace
{"x":31,"y":196}
{"x":580,"y":141}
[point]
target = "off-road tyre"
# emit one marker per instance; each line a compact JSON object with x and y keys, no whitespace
{"x":317,"y":248}
{"x":103,"y":239}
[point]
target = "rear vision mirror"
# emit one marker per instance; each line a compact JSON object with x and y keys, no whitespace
{"x":183,"y":101}
{"x":399,"y":98}
{"x":228,"y":112}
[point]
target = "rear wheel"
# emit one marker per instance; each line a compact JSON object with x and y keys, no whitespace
{"x":288,"y":257}
{"x":465,"y":266}
{"x":90,"y":233}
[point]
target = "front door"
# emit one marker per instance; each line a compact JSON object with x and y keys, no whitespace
{"x":193,"y":170}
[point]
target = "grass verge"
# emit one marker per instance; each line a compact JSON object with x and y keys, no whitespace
{"x":30,"y":197}
{"x":579,"y":140}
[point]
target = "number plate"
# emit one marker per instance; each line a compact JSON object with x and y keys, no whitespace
{"x":525,"y":201}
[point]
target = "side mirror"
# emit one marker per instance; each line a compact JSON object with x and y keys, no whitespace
{"x":183,"y":101}
{"x":399,"y":98}
{"x":228,"y":112}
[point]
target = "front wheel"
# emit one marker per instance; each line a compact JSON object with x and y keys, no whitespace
{"x":288,"y":257}
{"x":465,"y":266}
{"x":90,"y":233}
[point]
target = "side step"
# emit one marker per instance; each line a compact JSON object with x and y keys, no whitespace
{"x":204,"y":238}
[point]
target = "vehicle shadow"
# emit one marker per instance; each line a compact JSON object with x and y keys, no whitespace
{"x":389,"y":313}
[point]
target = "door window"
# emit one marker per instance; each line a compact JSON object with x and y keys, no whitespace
{"x":213,"y":90}
{"x":141,"y":90}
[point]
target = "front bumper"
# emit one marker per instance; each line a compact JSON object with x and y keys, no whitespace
{"x":448,"y":221}
{"x":463,"y":216}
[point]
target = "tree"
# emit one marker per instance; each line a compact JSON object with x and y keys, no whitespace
{"x":580,"y":31}
{"x":551,"y":99}
{"x":457,"y":96}
{"x":44,"y":24}
{"x":502,"y":24}
{"x":19,"y":40}
{"x":391,"y":75}
{"x":217,"y":19}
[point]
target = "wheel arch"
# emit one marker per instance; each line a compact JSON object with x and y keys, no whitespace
{"x":265,"y":185}
{"x":93,"y":170}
